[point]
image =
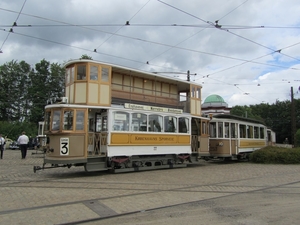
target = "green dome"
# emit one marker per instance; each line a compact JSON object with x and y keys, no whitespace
{"x":214,"y":99}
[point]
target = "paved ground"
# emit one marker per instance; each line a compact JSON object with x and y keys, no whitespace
{"x":208,"y":193}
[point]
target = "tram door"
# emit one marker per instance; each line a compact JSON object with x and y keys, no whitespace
{"x":101,"y":133}
{"x":195,"y":129}
{"x":234,"y":139}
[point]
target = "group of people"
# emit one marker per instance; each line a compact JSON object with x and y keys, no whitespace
{"x":22,"y":141}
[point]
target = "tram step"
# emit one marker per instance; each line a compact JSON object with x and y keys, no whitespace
{"x":95,"y":166}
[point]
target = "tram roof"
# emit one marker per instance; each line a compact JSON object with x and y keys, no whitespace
{"x":234,"y":117}
{"x":182,"y":84}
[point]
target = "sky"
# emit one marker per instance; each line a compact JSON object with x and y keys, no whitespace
{"x":246,"y":51}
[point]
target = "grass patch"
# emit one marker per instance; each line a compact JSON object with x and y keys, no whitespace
{"x":276,"y":155}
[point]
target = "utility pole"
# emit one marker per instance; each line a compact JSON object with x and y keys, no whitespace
{"x":293,"y":117}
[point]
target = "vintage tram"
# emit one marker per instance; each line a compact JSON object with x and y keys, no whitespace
{"x":121,"y":119}
{"x":234,"y":138}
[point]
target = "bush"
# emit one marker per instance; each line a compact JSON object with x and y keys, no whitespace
{"x":273,"y":154}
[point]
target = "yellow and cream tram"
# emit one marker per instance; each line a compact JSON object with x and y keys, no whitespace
{"x":120,"y":119}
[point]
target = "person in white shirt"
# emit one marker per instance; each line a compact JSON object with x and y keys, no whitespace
{"x":2,"y":143}
{"x":23,"y":142}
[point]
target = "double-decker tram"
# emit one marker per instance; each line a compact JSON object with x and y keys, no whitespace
{"x":120,"y":119}
{"x":233,"y":137}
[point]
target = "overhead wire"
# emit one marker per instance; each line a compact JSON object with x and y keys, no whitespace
{"x":14,"y":24}
{"x":127,"y":23}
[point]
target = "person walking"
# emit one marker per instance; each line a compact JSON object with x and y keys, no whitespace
{"x":2,"y":143}
{"x":23,"y":142}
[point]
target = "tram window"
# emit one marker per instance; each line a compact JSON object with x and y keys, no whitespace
{"x":170,"y":124}
{"x":80,"y":120}
{"x":81,"y":72}
{"x":47,"y":121}
{"x":262,"y":132}
{"x":226,"y":131}
{"x":139,"y":122}
{"x":249,"y":131}
{"x":104,"y":74}
{"x":220,"y":129}
{"x":68,"y":120}
{"x":204,"y":127}
{"x":56,"y":120}
{"x":72,"y":74}
{"x":242,"y":131}
{"x":233,"y":134}
{"x":93,"y":72}
{"x":68,"y":75}
{"x":120,"y":121}
{"x":183,"y":125}
{"x":213,"y":129}
{"x":155,"y":123}
{"x":256,"y":132}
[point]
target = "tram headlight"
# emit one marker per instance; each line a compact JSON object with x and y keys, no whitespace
{"x":220,"y":143}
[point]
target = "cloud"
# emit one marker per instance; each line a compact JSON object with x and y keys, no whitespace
{"x":172,"y":36}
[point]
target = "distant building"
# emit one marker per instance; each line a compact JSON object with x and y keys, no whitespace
{"x":215,"y":104}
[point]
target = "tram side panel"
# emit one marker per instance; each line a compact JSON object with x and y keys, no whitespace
{"x":63,"y":148}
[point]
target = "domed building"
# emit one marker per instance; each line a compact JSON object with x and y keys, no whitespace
{"x":215,"y":104}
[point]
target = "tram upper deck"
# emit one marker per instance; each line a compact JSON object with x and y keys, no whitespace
{"x":102,"y":84}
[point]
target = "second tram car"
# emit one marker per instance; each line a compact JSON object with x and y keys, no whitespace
{"x":233,"y":137}
{"x":120,"y":119}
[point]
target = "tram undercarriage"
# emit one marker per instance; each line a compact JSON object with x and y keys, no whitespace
{"x":128,"y":163}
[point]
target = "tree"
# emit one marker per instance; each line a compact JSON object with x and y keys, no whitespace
{"x":85,"y":56}
{"x":46,"y":84}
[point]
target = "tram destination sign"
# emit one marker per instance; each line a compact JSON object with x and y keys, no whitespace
{"x":152,"y":108}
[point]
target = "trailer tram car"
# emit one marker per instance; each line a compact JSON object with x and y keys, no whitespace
{"x":234,"y":138}
{"x":120,"y":119}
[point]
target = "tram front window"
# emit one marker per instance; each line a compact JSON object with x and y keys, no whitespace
{"x":80,"y":120}
{"x":47,"y":121}
{"x":56,"y":120}
{"x":68,"y":120}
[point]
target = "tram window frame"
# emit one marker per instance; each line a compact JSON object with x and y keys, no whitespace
{"x":155,"y":123}
{"x":220,"y":130}
{"x":68,"y":75}
{"x":170,"y":124}
{"x":242,"y":133}
{"x":81,"y":72}
{"x":256,"y":132}
{"x":213,"y":129}
{"x":183,"y":124}
{"x":226,"y":129}
{"x":56,"y":120}
{"x":262,"y":132}
{"x":250,"y":131}
{"x":139,"y":122}
{"x":104,"y":74}
{"x":80,"y":120}
{"x":123,"y":121}
{"x":68,"y":121}
{"x":94,"y":73}
{"x":72,"y":74}
{"x":232,"y":130}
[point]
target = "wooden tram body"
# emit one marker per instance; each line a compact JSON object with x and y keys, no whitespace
{"x":233,"y":137}
{"x":121,"y":119}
